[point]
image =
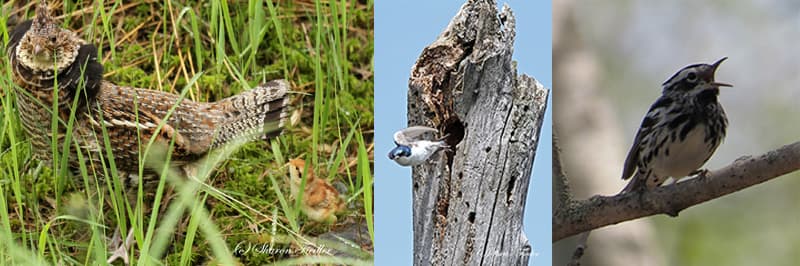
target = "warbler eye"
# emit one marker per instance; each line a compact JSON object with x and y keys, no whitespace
{"x":691,"y":77}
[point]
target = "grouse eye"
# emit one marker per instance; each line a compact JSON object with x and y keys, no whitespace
{"x":53,"y":39}
{"x":691,"y":77}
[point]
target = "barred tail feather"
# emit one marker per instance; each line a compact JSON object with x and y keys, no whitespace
{"x":257,"y":113}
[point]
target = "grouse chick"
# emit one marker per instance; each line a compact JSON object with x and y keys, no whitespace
{"x":320,"y":200}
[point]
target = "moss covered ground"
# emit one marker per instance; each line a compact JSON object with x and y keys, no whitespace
{"x":207,"y":50}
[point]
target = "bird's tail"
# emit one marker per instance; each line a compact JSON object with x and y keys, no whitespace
{"x":637,"y":182}
{"x":257,"y":113}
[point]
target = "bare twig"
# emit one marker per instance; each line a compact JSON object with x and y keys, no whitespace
{"x":580,"y":249}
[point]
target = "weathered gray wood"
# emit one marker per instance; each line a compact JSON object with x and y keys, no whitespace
{"x":469,"y":202}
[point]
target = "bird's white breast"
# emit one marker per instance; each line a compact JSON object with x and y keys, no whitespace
{"x":684,"y":156}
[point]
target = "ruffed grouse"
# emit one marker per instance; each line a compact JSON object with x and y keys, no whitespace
{"x":57,"y":73}
{"x":45,"y":57}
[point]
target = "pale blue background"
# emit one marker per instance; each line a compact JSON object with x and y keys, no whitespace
{"x":402,"y":29}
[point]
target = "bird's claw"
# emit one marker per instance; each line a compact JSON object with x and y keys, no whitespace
{"x":700,"y":173}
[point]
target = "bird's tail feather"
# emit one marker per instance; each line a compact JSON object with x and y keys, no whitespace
{"x":637,"y":182}
{"x":257,"y":113}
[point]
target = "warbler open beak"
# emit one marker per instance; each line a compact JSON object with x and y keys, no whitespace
{"x":716,"y":64}
{"x":714,"y":70}
{"x":720,"y":84}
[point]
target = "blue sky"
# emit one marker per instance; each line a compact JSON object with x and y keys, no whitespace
{"x":402,"y":30}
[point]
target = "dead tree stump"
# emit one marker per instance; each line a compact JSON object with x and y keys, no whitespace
{"x":469,"y":202}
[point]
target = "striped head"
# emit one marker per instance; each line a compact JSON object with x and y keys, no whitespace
{"x":46,"y":47}
{"x":693,"y":80}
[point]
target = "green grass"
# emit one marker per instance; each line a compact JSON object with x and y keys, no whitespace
{"x":205,"y":51}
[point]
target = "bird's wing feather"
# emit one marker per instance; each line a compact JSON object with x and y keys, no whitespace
{"x":131,"y":117}
{"x":633,"y":155}
{"x":407,"y":135}
{"x":648,"y":123}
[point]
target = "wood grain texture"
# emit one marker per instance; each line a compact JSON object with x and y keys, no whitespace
{"x":469,"y":202}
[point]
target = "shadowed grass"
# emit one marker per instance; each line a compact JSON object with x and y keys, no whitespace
{"x":206,"y":51}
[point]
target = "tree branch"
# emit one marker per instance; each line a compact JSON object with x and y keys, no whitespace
{"x":599,"y":211}
{"x":562,"y":194}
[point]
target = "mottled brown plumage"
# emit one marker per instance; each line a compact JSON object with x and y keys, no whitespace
{"x":45,"y":57}
{"x":57,"y":74}
{"x":320,"y":201}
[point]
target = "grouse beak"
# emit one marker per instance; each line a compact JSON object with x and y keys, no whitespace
{"x":714,"y":69}
{"x":37,"y":49}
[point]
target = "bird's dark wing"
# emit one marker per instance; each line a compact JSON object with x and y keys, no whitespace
{"x":651,"y":119}
{"x":633,"y":157}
